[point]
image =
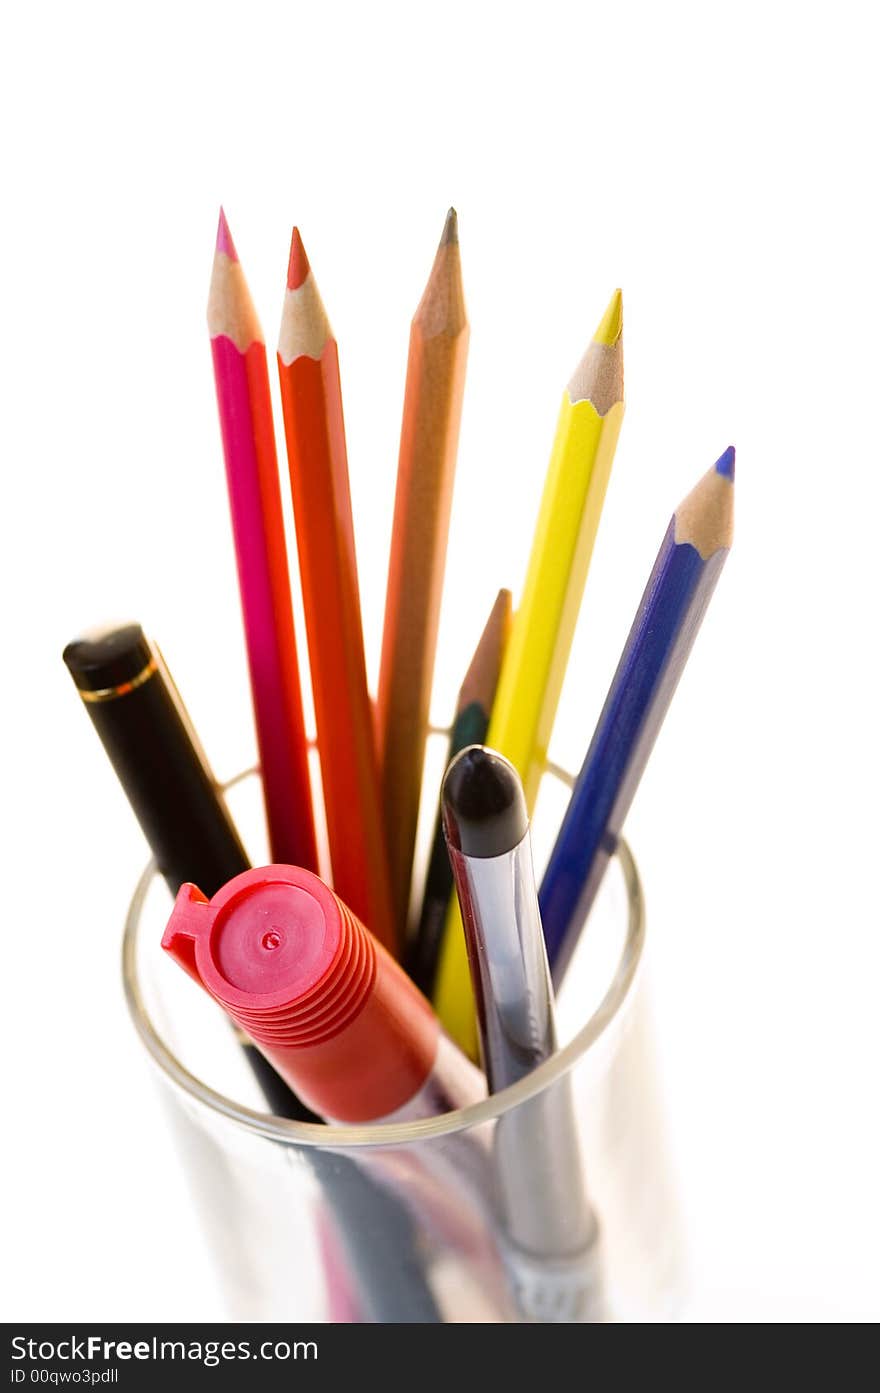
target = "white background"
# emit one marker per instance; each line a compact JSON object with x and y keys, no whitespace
{"x":719,"y":163}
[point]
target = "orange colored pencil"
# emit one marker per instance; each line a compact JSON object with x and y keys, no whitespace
{"x":311,"y":398}
{"x":241,"y":376}
{"x":426,"y":469}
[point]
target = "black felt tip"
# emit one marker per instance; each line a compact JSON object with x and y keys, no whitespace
{"x":484,"y":807}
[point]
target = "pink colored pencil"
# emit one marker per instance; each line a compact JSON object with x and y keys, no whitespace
{"x":242,"y":380}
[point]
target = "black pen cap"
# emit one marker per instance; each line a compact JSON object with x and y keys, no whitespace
{"x":137,"y":712}
{"x":484,"y":807}
{"x":106,"y":659}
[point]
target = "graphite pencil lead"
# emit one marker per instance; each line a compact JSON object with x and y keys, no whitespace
{"x":598,"y":377}
{"x":441,"y":309}
{"x":705,"y":517}
{"x":450,"y":228}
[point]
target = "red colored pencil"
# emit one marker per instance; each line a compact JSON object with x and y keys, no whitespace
{"x":311,"y":397}
{"x":242,"y":380}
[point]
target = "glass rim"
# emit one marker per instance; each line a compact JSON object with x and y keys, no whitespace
{"x":328,"y":1135}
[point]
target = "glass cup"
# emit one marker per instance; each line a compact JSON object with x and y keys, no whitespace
{"x":451,"y":1218}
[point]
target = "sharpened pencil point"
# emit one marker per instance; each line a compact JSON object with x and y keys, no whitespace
{"x":727,"y":464}
{"x":450,"y":228}
{"x":441,"y":309}
{"x":608,"y":331}
{"x":705,"y":517}
{"x":481,"y":679}
{"x":598,"y":377}
{"x":298,"y":266}
{"x":225,"y":243}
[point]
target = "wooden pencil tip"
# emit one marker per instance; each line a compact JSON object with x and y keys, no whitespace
{"x":231,"y":311}
{"x":502,"y":608}
{"x":610,"y":328}
{"x":450,"y":228}
{"x":726,"y":465}
{"x":441,"y":309}
{"x":298,"y":266}
{"x":481,"y":678}
{"x":705,"y":517}
{"x":598,"y":377}
{"x":225,"y":243}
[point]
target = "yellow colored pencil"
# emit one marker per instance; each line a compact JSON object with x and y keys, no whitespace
{"x":537,"y":652}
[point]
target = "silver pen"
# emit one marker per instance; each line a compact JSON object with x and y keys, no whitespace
{"x":550,"y":1231}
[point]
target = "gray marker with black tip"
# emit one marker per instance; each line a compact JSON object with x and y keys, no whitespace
{"x":551,"y":1235}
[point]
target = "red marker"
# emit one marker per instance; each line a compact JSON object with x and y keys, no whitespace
{"x":327,"y":1005}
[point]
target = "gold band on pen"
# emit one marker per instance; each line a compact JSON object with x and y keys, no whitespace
{"x":123,"y":689}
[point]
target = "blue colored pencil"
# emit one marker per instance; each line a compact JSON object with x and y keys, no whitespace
{"x":676,"y":597}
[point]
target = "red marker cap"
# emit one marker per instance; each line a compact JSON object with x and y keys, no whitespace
{"x":302,"y":977}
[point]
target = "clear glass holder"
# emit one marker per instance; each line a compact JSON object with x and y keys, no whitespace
{"x":401,"y":1222}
